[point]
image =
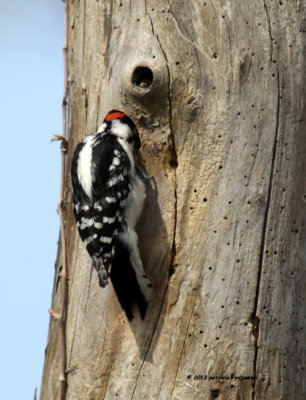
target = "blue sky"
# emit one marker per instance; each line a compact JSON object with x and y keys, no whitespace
{"x":31,"y":70}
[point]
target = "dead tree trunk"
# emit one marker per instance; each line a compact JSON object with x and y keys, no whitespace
{"x":217,"y":90}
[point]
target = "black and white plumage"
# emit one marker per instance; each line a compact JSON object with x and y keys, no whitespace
{"x":108,"y":198}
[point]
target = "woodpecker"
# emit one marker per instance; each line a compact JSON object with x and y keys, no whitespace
{"x":108,"y":197}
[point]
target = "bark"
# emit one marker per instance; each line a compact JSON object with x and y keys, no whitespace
{"x":222,"y":234}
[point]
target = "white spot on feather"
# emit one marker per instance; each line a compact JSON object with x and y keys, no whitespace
{"x":110,"y":199}
{"x":108,"y":220}
{"x":112,"y":182}
{"x":97,"y":206}
{"x":105,"y":239}
{"x":116,"y":161}
{"x":86,"y":223}
{"x":90,"y":239}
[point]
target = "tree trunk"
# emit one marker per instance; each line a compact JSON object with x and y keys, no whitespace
{"x":222,"y":234}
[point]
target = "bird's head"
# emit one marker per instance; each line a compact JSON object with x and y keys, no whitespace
{"x":122,"y":126}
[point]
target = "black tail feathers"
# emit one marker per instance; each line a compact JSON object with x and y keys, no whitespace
{"x":125,"y":283}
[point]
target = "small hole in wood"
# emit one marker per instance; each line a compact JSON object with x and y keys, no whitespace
{"x":142,"y":77}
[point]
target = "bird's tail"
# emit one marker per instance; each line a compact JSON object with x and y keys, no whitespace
{"x":125,"y":283}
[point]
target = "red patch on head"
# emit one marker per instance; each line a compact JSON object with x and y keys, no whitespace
{"x":114,"y":115}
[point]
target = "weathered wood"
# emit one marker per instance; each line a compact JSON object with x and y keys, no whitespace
{"x":223,"y":134}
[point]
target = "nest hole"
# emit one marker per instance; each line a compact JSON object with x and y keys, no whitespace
{"x":142,"y":77}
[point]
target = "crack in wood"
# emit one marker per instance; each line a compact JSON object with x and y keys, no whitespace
{"x":252,"y":166}
{"x":88,"y":289}
{"x":70,"y":279}
{"x":199,"y":64}
{"x":173,"y":159}
{"x":231,"y":61}
{"x":255,"y":317}
{"x":186,"y":333}
{"x":178,"y":296}
{"x":270,"y":31}
{"x":212,"y":5}
{"x":74,"y":334}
